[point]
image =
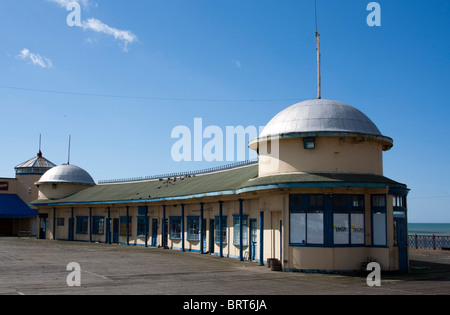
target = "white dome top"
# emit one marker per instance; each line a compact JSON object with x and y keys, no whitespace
{"x":66,"y":174}
{"x":320,"y":117}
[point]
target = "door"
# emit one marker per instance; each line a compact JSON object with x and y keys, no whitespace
{"x":211,"y":236}
{"x":253,"y":238}
{"x":43,"y":228}
{"x":166,"y":233}
{"x":154,"y":232}
{"x":70,"y":236}
{"x":402,"y":244}
{"x":204,"y":235}
{"x":116,"y":231}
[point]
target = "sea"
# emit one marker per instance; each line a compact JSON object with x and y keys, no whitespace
{"x":438,"y":229}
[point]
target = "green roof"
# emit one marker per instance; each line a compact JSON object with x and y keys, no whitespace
{"x":228,"y":182}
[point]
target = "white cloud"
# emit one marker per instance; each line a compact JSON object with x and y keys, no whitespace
{"x":98,"y":26}
{"x":127,"y":37}
{"x":237,"y":63}
{"x":36,"y":59}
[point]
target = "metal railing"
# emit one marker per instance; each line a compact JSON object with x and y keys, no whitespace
{"x":181,"y":174}
{"x":428,"y":241}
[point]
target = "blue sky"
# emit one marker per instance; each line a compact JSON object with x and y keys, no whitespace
{"x":136,"y":69}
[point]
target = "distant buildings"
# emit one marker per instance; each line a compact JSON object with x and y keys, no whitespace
{"x":16,"y":217}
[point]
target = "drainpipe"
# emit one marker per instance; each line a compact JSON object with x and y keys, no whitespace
{"x":54,"y":224}
{"x":261,"y":238}
{"x":164,"y":228}
{"x":90,"y":224}
{"x":108,"y":226}
{"x":201,"y":228}
{"x":220,"y":229}
{"x":72,"y":226}
{"x":128,"y":225}
{"x":182,"y":228}
{"x":241,"y":248}
{"x":146,"y":223}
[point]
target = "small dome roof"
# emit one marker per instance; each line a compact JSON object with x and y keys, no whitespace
{"x":321,"y":117}
{"x":36,"y":165}
{"x":66,"y":174}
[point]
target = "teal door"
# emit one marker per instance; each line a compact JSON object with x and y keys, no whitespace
{"x":402,"y":244}
{"x":154,"y":232}
{"x":211,"y":236}
{"x":43,"y":228}
{"x":204,"y":235}
{"x":70,"y":236}
{"x":253,"y":238}
{"x":116,"y":231}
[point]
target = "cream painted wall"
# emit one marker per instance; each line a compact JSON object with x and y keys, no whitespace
{"x":275,"y":206}
{"x":48,"y":191}
{"x":332,"y":154}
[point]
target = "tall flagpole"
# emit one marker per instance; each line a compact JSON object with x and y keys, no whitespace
{"x":319,"y":83}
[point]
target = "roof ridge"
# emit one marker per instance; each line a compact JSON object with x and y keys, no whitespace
{"x":182,"y":174}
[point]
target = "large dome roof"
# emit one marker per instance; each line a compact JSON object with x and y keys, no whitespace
{"x":66,"y":174}
{"x":320,"y":117}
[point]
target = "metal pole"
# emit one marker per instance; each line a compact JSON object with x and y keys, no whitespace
{"x":164,"y":228}
{"x":128,"y":226}
{"x":241,"y":249}
{"x":182,"y":228}
{"x":220,"y":229}
{"x":201,"y":229}
{"x":261,"y":238}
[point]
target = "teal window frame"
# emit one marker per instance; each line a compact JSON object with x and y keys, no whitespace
{"x":175,"y":228}
{"x":193,"y":228}
{"x":141,"y":226}
{"x":236,"y":230}
{"x":217,"y":230}
{"x":98,"y":225}
{"x":82,"y":226}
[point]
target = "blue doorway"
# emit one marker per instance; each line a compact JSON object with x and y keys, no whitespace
{"x":402,"y":244}
{"x":154,"y":232}
{"x":253,"y":239}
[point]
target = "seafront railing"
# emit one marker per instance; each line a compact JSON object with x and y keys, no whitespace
{"x":428,"y":242}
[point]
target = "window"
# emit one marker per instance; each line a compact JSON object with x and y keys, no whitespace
{"x":193,"y":228}
{"x":82,"y":225}
{"x":98,"y":225}
{"x":217,"y":230}
{"x":236,"y":230}
{"x":60,"y":221}
{"x":348,"y":219}
{"x":326,"y":220}
{"x":142,"y":226}
{"x":306,"y":219}
{"x":379,"y":220}
{"x":123,"y":226}
{"x":175,"y":228}
{"x":399,"y":201}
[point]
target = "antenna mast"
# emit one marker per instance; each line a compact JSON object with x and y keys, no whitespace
{"x":68,"y":155}
{"x":40,"y":152}
{"x":319,"y":83}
